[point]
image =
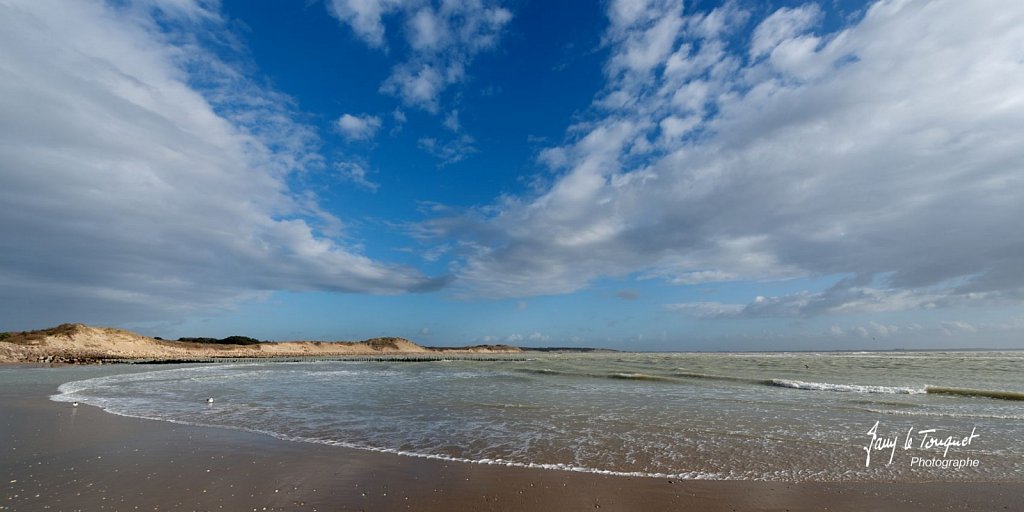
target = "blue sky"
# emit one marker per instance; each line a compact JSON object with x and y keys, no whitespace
{"x":650,"y":175}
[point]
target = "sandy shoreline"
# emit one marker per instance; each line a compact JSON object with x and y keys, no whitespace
{"x":57,"y":457}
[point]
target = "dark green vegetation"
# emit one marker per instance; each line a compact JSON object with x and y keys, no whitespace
{"x":230,"y":340}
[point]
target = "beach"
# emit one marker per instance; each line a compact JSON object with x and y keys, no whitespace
{"x":60,"y":457}
{"x":511,"y":255}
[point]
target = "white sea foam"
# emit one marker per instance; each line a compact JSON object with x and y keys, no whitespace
{"x":901,"y":412}
{"x":846,"y":388}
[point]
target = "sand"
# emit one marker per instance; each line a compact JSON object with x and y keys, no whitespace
{"x":59,"y":457}
{"x":78,"y":343}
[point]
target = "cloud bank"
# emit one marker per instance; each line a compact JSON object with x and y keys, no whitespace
{"x":145,"y":177}
{"x":725,"y":147}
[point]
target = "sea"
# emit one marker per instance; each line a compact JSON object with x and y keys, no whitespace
{"x":829,"y":416}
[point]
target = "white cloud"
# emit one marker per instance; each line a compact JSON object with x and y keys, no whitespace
{"x":366,"y":17}
{"x":427,"y":31}
{"x":451,"y":121}
{"x":515,"y":338}
{"x":356,"y":127}
{"x":886,"y":150}
{"x":883,"y":329}
{"x":672,"y":127}
{"x":913,"y":334}
{"x":357,"y":174}
{"x":443,"y":38}
{"x":705,"y":309}
{"x":418,"y":85}
{"x":643,"y":35}
{"x":449,"y":151}
{"x":958,"y":327}
{"x":849,"y":296}
{"x":536,"y":336}
{"x":130,"y":194}
{"x":783,"y":26}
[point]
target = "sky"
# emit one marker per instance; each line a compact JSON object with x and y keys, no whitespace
{"x":632,"y":174}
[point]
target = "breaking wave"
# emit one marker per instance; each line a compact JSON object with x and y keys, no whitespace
{"x":845,"y":388}
{"x":896,"y":390}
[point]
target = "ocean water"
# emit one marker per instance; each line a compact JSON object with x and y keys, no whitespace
{"x":753,"y":416}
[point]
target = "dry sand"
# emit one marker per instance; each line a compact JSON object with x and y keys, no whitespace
{"x":57,"y":457}
{"x":77,"y":343}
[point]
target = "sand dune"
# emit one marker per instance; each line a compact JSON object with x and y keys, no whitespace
{"x":78,"y":343}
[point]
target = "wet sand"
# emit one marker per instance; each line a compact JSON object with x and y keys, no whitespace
{"x":58,"y":457}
